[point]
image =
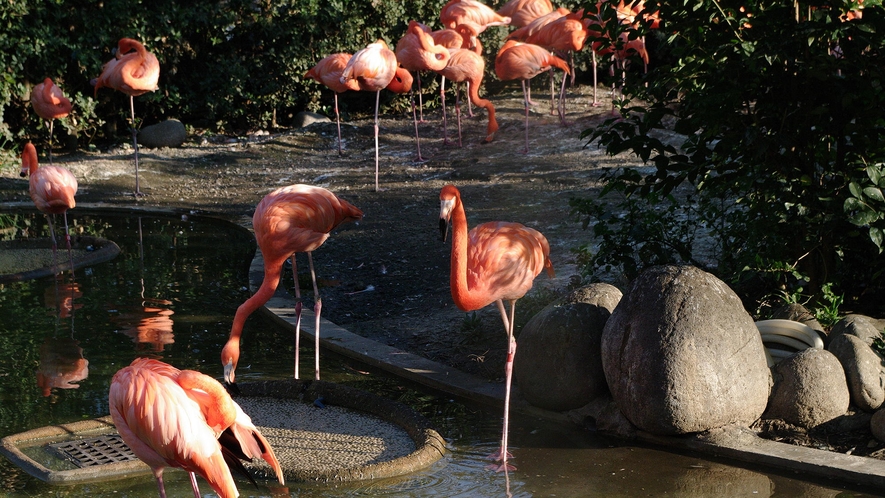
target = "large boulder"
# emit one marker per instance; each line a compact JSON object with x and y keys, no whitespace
{"x":863,"y":370}
{"x":681,"y":355}
{"x":809,"y":389}
{"x":557,"y":365}
{"x":169,"y":133}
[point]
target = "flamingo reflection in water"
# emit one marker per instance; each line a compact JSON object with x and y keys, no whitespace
{"x":62,"y":364}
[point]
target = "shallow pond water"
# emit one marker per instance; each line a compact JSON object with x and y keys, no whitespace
{"x":171,"y":293}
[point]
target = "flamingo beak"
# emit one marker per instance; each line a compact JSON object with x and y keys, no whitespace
{"x":443,"y":229}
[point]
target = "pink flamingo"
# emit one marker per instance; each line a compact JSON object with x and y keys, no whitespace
{"x":174,"y":418}
{"x":292,"y":219}
{"x":522,"y":12}
{"x":328,"y":72}
{"x":417,"y":51}
{"x":468,"y":66}
{"x":52,"y":189}
{"x":524,"y":61}
{"x":50,"y":103}
{"x":133,"y":71}
{"x":494,"y":262}
{"x":371,"y":69}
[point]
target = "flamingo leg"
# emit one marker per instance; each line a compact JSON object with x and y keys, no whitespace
{"x":420,"y":101}
{"x":595,"y":100}
{"x":298,"y":307}
{"x":442,"y":95}
{"x":68,"y":240}
{"x":194,"y":485}
{"x":552,"y":90}
{"x":377,"y":104}
{"x":158,"y":475}
{"x":526,"y":102}
{"x":562,"y":101}
{"x":415,"y":119}
{"x":502,"y":455}
{"x":134,"y":144}
{"x":458,"y":113}
{"x":469,"y":104}
{"x":338,"y":122}
{"x":317,"y":307}
{"x":51,"y":122}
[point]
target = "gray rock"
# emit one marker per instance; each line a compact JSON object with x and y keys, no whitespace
{"x":877,"y":425}
{"x":557,"y":364}
{"x":169,"y":133}
{"x":305,"y":118}
{"x":809,"y":389}
{"x":680,"y":354}
{"x":863,"y":370}
{"x":798,"y":313}
{"x":861,"y":326}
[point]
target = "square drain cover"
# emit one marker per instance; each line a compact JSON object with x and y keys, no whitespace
{"x":100,"y":450}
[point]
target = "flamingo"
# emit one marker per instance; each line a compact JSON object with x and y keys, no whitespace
{"x":182,"y":418}
{"x":468,"y":66}
{"x":565,"y":34}
{"x":522,"y":12}
{"x":328,"y":72}
{"x":457,"y":12}
{"x":524,"y":61}
{"x":522,"y":34}
{"x":297,"y":218}
{"x":52,"y":189}
{"x":133,"y":71}
{"x":495,"y":261}
{"x":50,"y":103}
{"x":417,"y":51}
{"x":371,"y":69}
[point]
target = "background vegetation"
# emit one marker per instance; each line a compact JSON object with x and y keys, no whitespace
{"x":781,"y":110}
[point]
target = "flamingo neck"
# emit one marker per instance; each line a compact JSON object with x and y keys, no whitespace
{"x":461,"y":292}
{"x":216,"y":405}
{"x":272,"y":270}
{"x":492,"y":127}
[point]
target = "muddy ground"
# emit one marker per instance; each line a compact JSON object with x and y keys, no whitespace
{"x":386,"y":277}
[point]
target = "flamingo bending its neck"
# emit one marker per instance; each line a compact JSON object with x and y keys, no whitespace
{"x":292,"y":219}
{"x":182,"y":418}
{"x":50,"y":103}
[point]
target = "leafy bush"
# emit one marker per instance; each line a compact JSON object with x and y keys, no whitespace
{"x":228,"y":66}
{"x":781,"y":161}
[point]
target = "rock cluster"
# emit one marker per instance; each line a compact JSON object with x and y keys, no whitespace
{"x":677,"y":353}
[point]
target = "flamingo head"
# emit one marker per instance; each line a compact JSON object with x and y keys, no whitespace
{"x":29,"y":160}
{"x":230,"y":355}
{"x":447,"y":199}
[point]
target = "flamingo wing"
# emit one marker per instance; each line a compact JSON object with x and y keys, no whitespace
{"x":328,"y":71}
{"x":49,"y":102}
{"x":52,"y":189}
{"x":504,"y":258}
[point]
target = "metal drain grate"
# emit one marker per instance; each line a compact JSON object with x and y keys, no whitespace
{"x":101,"y":450}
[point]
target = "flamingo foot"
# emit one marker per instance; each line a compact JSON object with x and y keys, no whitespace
{"x":503,"y":463}
{"x":503,"y":467}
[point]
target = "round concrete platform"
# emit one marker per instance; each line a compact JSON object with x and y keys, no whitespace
{"x":28,"y":259}
{"x":320,"y":431}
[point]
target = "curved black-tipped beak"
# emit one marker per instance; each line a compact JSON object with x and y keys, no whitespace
{"x":232,"y":388}
{"x":443,"y":229}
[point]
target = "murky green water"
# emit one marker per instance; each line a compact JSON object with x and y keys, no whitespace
{"x":172,"y":293}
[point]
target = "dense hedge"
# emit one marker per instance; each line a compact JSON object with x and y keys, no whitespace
{"x":225,"y":65}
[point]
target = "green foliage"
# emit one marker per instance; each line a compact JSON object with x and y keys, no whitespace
{"x":226,"y":66}
{"x":781,"y":152}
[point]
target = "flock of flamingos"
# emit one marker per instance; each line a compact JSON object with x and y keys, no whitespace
{"x":183,"y":418}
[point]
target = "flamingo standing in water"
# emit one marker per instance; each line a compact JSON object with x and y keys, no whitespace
{"x":371,"y":69}
{"x":524,"y":61}
{"x":328,"y":72}
{"x":52,"y":189}
{"x":182,"y":418}
{"x":297,"y":218}
{"x":494,"y":262}
{"x":50,"y":103}
{"x":133,"y":71}
{"x":417,"y":51}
